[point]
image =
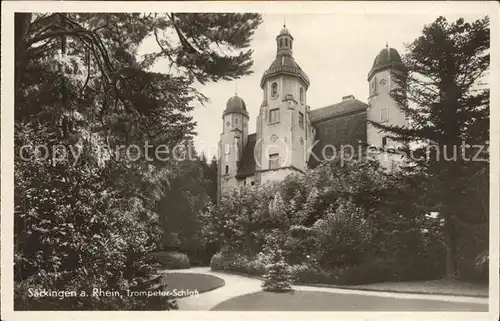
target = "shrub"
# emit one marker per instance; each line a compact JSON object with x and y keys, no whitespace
{"x":277,"y":277}
{"x":172,"y":260}
{"x":251,"y":266}
{"x":298,"y":244}
{"x":343,"y":235}
{"x":217,"y":262}
{"x":365,"y":273}
{"x":306,"y":273}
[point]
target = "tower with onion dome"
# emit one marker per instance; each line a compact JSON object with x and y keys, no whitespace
{"x":382,"y":107}
{"x":291,"y":136}
{"x":282,"y":124}
{"x":233,"y":139}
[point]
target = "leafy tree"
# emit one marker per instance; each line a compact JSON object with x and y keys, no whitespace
{"x":344,"y":236}
{"x":185,"y":196}
{"x":80,"y":83}
{"x":447,"y":100}
{"x":210,"y":174}
{"x":74,"y":233}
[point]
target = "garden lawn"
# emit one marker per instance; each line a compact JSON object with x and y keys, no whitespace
{"x":186,"y":284}
{"x":447,"y":287}
{"x":324,"y":301}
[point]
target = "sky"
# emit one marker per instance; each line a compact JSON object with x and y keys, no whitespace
{"x":336,"y":51}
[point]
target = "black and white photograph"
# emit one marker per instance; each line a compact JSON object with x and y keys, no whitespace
{"x":250,"y":157}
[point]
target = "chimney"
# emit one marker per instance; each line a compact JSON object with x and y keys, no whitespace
{"x":349,"y":97}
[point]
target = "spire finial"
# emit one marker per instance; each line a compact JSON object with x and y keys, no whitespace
{"x":386,"y":45}
{"x":236,"y":90}
{"x":284,"y":21}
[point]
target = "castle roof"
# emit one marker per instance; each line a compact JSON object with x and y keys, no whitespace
{"x":336,"y":110}
{"x":284,"y":31}
{"x":247,"y":163}
{"x":387,"y":58}
{"x":284,"y":62}
{"x":235,"y":105}
{"x":284,"y":65}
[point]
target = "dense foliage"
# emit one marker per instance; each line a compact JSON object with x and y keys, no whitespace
{"x":334,"y":221}
{"x":172,"y":260}
{"x":186,"y":195}
{"x":446,"y":96}
{"x":358,"y":223}
{"x":87,"y":219}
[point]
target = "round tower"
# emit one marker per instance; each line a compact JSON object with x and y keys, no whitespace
{"x":282,"y":124}
{"x":382,"y":107}
{"x":233,"y":139}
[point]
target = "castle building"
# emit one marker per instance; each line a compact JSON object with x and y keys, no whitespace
{"x":290,"y":135}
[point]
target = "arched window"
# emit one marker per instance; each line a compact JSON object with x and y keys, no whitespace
{"x":281,"y":43}
{"x":227,"y":169}
{"x":290,"y":44}
{"x":301,"y":95}
{"x":274,"y":89}
{"x":286,"y":42}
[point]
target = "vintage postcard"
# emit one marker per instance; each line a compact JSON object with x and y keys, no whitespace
{"x":208,"y":160}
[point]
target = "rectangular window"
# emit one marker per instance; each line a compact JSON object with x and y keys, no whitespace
{"x":301,"y":119}
{"x":236,"y":120}
{"x":274,"y":161}
{"x":274,"y":115}
{"x":384,"y":141}
{"x":384,"y":115}
{"x":227,"y":169}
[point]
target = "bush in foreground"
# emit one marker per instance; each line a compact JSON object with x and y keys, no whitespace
{"x":277,"y":277}
{"x":217,"y":262}
{"x":172,"y":260}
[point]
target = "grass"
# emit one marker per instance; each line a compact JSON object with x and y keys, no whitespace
{"x":446,"y":287}
{"x":325,"y":301}
{"x":185,"y":284}
{"x":443,"y":287}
